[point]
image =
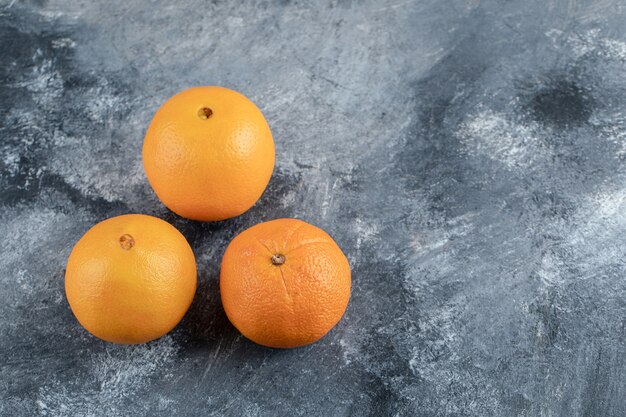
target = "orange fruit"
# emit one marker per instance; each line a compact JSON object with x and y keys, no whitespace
{"x":284,"y":283}
{"x":208,"y":153}
{"x":130,"y":279}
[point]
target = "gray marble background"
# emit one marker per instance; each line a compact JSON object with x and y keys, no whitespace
{"x":468,"y":156}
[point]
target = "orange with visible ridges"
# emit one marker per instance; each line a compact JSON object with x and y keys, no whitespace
{"x":284,"y":283}
{"x":208,"y":153}
{"x":130,"y":279}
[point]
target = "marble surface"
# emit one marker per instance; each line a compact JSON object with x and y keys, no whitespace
{"x":468,"y":156}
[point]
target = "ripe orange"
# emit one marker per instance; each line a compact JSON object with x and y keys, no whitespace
{"x":284,"y":283}
{"x":130,"y":279}
{"x":208,"y":153}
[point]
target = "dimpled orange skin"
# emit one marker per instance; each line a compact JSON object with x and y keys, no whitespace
{"x":288,"y":304}
{"x":130,"y":279}
{"x":208,"y":165}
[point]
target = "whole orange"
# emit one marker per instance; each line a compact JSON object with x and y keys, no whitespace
{"x":130,"y":279}
{"x":284,"y":283}
{"x":208,"y":153}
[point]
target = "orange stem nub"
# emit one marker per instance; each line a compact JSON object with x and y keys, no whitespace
{"x":278,"y":259}
{"x":204,"y":113}
{"x":127,"y":241}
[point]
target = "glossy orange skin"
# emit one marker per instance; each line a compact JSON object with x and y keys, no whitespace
{"x":211,"y":168}
{"x":287,"y":305}
{"x":125,"y":294}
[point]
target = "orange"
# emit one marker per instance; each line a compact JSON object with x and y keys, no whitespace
{"x":284,"y":283}
{"x":130,"y":279}
{"x":208,"y":153}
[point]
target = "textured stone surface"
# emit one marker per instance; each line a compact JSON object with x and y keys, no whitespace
{"x":468,"y":156}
